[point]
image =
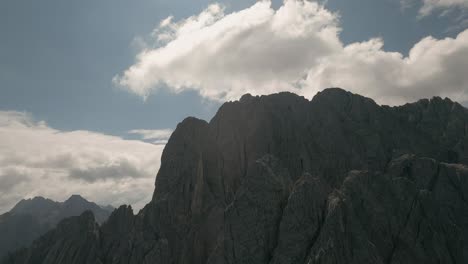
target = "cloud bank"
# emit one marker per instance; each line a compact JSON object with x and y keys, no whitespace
{"x":260,"y":50}
{"x":36,"y":159}
{"x":157,"y":136}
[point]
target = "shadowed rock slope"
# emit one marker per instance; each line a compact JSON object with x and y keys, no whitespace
{"x":31,"y":218}
{"x":280,"y":179}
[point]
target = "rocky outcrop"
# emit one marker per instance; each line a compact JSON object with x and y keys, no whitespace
{"x":281,"y":179}
{"x":31,"y":218}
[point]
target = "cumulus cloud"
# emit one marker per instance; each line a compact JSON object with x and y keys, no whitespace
{"x":260,"y":50}
{"x":222,"y":56}
{"x":37,"y":160}
{"x":433,"y":67}
{"x":156,"y":136}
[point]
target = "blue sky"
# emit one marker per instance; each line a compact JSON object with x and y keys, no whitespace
{"x":59,"y":62}
{"x":57,"y":59}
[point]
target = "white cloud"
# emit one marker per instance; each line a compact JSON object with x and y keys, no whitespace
{"x":156,"y":136}
{"x":429,"y":6}
{"x":36,"y":159}
{"x":166,"y":22}
{"x":456,"y":11}
{"x":433,"y":67}
{"x":223,"y":56}
{"x":296,"y":48}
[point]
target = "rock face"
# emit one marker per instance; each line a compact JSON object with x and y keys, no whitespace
{"x":280,"y":179}
{"x":31,"y":218}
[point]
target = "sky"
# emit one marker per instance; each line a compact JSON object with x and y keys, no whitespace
{"x":91,"y":90}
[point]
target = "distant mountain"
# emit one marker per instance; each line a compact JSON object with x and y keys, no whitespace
{"x":280,"y":179}
{"x":31,"y":218}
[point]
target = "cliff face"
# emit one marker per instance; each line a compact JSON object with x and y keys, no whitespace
{"x":280,"y":179}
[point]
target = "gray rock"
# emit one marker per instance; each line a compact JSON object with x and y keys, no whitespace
{"x":280,"y":179}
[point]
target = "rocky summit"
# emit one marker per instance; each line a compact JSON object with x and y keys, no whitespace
{"x":279,"y":179}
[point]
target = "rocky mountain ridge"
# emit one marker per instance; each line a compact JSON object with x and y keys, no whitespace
{"x":281,"y":179}
{"x":31,"y":218}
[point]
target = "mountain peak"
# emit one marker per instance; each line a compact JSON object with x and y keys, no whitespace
{"x":33,"y":205}
{"x":340,"y":96}
{"x":35,"y":216}
{"x":335,"y":91}
{"x":76,"y":198}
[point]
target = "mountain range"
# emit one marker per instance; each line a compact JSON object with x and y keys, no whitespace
{"x":31,"y":218}
{"x":281,"y":179}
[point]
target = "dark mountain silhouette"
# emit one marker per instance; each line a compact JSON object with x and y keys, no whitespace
{"x":31,"y":218}
{"x":281,"y":179}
